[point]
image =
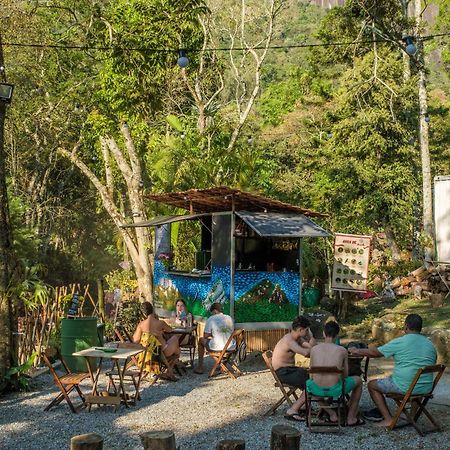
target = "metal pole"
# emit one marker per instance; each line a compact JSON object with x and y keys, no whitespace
{"x":300,"y":309}
{"x":232,"y":256}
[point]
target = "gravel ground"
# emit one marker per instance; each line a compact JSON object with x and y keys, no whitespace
{"x":200,"y":412}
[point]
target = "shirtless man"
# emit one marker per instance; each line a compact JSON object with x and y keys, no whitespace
{"x":328,"y":354}
{"x":300,"y":340}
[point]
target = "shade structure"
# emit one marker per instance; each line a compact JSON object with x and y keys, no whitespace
{"x":161,"y":220}
{"x":223,"y":198}
{"x":281,"y":224}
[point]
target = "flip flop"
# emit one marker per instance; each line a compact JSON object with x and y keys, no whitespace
{"x":296,"y":417}
{"x":358,"y":422}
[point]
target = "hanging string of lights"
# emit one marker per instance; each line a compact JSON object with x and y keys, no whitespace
{"x":212,"y":49}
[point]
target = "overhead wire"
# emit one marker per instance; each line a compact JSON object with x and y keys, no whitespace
{"x":208,"y":49}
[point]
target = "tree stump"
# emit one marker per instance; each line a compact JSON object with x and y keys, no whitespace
{"x":284,"y":438}
{"x":90,"y":441}
{"x":158,"y":440}
{"x":235,"y":444}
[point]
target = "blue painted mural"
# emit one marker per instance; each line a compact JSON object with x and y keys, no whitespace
{"x":260,"y":296}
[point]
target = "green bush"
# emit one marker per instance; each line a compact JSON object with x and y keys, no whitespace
{"x":129,"y":315}
{"x":264,"y":311}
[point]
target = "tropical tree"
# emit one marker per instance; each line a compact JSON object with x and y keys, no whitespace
{"x":5,"y":245}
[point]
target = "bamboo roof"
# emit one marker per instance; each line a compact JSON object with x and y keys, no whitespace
{"x":220,"y":199}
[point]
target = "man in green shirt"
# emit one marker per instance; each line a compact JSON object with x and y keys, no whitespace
{"x":410,"y":352}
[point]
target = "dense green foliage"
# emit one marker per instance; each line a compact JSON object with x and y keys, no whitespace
{"x":264,"y":311}
{"x":334,"y":129}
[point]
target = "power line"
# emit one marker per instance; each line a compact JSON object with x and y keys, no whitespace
{"x":209,"y":49}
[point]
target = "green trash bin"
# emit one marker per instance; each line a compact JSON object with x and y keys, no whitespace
{"x":311,"y":297}
{"x":78,"y":334}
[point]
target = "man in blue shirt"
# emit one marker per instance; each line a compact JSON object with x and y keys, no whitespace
{"x":410,"y":352}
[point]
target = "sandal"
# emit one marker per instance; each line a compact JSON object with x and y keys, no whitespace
{"x":296,"y":417}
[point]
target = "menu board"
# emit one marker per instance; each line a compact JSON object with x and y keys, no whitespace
{"x":73,"y":309}
{"x":351,"y":262}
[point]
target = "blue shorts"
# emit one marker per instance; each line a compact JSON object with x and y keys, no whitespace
{"x":386,"y":385}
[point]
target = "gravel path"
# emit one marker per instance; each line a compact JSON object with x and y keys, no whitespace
{"x":200,"y":411}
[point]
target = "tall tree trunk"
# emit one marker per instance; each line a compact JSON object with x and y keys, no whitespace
{"x":137,"y":240}
{"x":5,"y":251}
{"x":392,"y":244}
{"x":406,"y":57}
{"x":423,"y":140}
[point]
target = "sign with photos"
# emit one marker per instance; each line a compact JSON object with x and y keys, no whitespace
{"x":351,"y":262}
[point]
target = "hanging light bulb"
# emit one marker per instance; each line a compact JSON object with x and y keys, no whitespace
{"x":410,"y":48}
{"x":427,"y":118}
{"x":329,"y":135}
{"x":183,"y":60}
{"x":182,"y":135}
{"x":250,"y":140}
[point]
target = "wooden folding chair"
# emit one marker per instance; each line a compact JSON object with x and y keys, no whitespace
{"x":191,"y":345}
{"x":287,"y":390}
{"x":132,"y":372}
{"x":340,"y":403}
{"x":417,"y":403}
{"x":225,"y":359}
{"x":66,"y":383}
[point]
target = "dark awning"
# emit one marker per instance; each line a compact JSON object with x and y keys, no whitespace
{"x":161,"y":220}
{"x":281,"y":225}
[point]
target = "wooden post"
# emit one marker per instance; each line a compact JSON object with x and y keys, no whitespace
{"x":232,"y":257}
{"x":101,"y":300}
{"x":90,"y":441}
{"x":300,"y":281}
{"x":235,"y":444}
{"x":284,"y":438}
{"x":158,"y":440}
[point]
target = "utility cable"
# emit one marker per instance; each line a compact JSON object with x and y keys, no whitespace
{"x":210,"y":49}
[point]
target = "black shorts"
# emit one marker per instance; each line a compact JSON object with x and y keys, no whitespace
{"x":294,"y":376}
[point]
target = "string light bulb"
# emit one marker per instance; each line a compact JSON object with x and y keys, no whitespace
{"x":183,"y":60}
{"x":410,"y":48}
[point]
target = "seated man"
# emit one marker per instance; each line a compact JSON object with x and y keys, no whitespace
{"x":218,"y":329}
{"x":298,"y":340}
{"x":328,"y":354}
{"x":411,"y":352}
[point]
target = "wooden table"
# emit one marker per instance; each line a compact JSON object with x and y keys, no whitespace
{"x":121,"y":355}
{"x":182,"y":332}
